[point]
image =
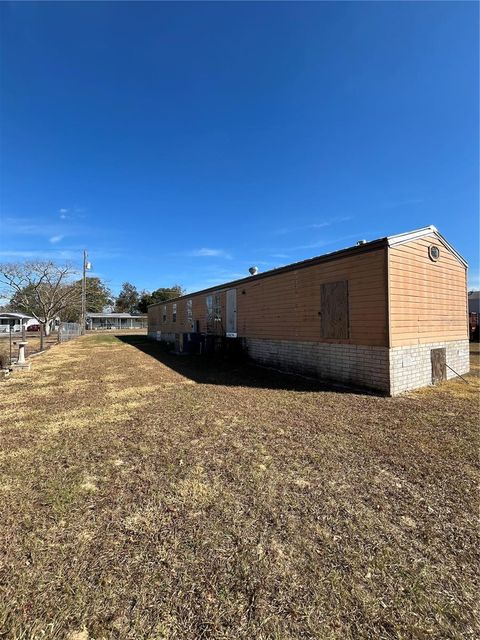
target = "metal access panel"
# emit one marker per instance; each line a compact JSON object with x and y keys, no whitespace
{"x":439,"y":365}
{"x":231,"y":319}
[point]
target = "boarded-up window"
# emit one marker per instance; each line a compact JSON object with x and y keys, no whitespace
{"x":334,"y":310}
{"x":439,"y":364}
{"x":164,"y":312}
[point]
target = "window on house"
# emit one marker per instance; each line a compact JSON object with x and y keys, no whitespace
{"x":335,"y":323}
{"x":164,"y":312}
{"x":209,"y":303}
{"x":174,"y":312}
{"x":217,"y":309}
{"x":190,"y":313}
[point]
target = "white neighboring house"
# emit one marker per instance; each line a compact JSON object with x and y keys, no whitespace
{"x":115,"y":321}
{"x":14,"y":322}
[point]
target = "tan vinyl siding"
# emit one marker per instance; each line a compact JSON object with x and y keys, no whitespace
{"x":182,"y":324}
{"x":286,"y":306}
{"x":427,"y":299}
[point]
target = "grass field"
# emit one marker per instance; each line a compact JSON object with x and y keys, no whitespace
{"x":145,"y":495}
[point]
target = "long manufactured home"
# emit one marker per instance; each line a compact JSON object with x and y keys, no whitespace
{"x":390,"y":315}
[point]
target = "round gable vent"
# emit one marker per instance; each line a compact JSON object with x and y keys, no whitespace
{"x":433,"y":252}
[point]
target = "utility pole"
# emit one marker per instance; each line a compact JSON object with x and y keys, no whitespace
{"x":86,"y":267}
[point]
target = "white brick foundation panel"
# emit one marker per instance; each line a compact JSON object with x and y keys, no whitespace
{"x":346,"y":363}
{"x":411,"y":367}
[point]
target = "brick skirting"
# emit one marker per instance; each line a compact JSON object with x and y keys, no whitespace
{"x":411,"y":366}
{"x":346,"y":363}
{"x":390,"y":371}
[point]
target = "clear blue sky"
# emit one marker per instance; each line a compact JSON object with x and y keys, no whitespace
{"x":182,"y":143}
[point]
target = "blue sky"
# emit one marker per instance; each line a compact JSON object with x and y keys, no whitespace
{"x":184,"y":142}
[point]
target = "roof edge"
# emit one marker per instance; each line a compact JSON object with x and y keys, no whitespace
{"x":373,"y":245}
{"x":402,"y":238}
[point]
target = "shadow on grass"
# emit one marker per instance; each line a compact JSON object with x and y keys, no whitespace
{"x":219,"y":370}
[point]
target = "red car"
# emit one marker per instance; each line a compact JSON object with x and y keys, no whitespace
{"x":33,"y":327}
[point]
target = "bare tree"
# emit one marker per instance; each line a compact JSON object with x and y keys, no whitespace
{"x":41,"y":288}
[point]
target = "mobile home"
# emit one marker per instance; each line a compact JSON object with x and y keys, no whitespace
{"x":95,"y":321}
{"x":390,"y":314}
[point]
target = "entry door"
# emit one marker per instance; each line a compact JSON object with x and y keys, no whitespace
{"x":439,"y":365}
{"x":231,"y":313}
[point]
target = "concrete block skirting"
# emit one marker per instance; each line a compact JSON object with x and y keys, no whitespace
{"x":162,"y":336}
{"x":390,"y":371}
{"x":348,"y":364}
{"x":411,"y":366}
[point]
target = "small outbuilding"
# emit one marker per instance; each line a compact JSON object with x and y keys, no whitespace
{"x":390,"y":314}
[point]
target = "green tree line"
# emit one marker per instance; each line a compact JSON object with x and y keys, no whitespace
{"x":47,"y":291}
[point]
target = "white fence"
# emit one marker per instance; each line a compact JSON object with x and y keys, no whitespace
{"x":68,"y":331}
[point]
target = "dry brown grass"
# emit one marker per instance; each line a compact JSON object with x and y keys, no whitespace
{"x":146,"y":496}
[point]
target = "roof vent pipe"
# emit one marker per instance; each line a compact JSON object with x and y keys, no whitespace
{"x":360,"y":242}
{"x":253,"y":271}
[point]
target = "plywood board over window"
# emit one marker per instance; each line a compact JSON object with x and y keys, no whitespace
{"x":334,"y":310}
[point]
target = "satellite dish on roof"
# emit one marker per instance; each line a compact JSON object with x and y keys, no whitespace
{"x":253,"y":271}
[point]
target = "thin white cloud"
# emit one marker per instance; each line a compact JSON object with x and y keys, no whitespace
{"x":23,"y":226}
{"x":289,"y":252}
{"x":326,"y":243}
{"x":205,"y":252}
{"x":313,"y":225}
{"x":72,"y":213}
{"x":32,"y":227}
{"x":402,"y":203}
{"x":71,"y":254}
{"x":55,"y":239}
{"x":227,"y":278}
{"x":40,"y":255}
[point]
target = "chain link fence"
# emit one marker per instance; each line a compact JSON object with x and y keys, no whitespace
{"x":68,"y":331}
{"x":34,"y":341}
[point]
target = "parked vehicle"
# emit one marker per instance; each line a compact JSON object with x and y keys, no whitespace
{"x":33,"y":327}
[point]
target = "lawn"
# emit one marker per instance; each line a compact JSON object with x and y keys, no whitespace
{"x":145,"y":495}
